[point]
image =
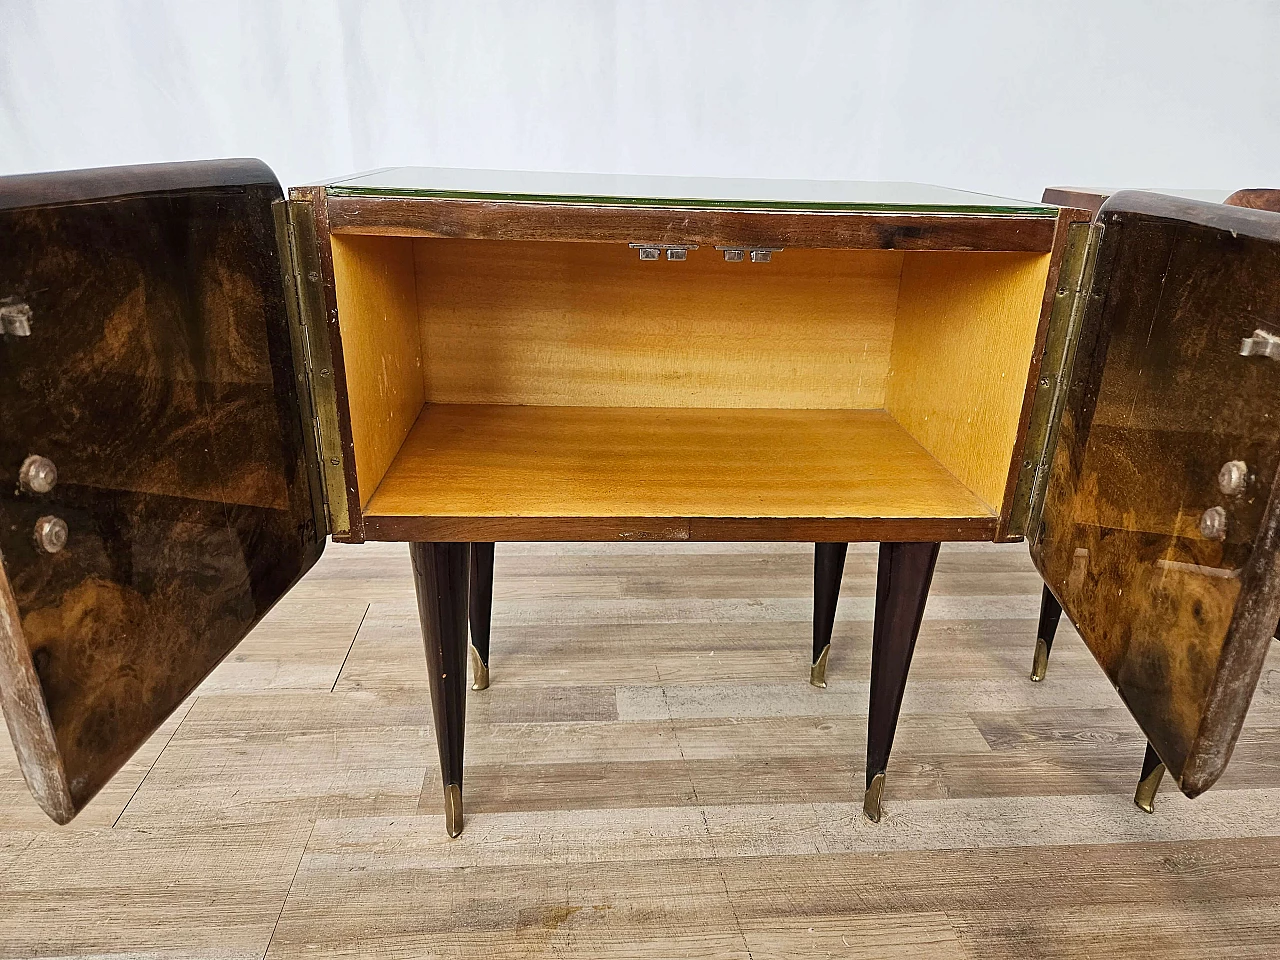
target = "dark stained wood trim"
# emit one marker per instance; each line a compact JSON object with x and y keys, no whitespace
{"x":1083,"y":198}
{"x":512,"y":220}
{"x":856,"y":529}
{"x":1256,"y":199}
{"x":26,"y":713}
{"x":480,"y":597}
{"x":315,"y":195}
{"x":1244,"y":652}
{"x":120,"y":183}
{"x":828,"y":570}
{"x":903,"y":575}
{"x":1066,"y":217}
{"x":1046,"y":630}
{"x":440,"y":582}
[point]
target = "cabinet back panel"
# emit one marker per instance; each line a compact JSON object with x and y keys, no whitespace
{"x":965,"y":333}
{"x":381,"y":348}
{"x":587,"y":324}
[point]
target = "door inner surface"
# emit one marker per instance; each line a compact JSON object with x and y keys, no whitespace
{"x":1158,"y":534}
{"x":150,"y":385}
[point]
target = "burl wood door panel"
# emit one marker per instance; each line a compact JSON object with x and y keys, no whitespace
{"x":1160,"y":400}
{"x":156,"y":373}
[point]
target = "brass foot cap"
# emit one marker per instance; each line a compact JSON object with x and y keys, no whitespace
{"x":818,"y":672}
{"x":1144,"y":798}
{"x":1041,"y":663}
{"x":479,"y":671}
{"x":871,"y":800}
{"x":453,"y":809}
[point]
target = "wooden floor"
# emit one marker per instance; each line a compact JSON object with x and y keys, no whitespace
{"x":650,"y":775}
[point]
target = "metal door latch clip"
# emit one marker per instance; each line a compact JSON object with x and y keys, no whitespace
{"x":653,"y":251}
{"x":1261,"y":344}
{"x":15,"y":317}
{"x":757,"y":254}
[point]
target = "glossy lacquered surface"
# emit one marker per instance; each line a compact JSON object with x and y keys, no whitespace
{"x":158,"y":376}
{"x":1160,"y":399}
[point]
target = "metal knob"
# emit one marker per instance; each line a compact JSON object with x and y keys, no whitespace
{"x":1233,"y":477}
{"x":51,"y":534}
{"x":37,"y":474}
{"x":1213,"y":524}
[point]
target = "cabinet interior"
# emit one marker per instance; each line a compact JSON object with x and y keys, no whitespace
{"x":493,"y":378}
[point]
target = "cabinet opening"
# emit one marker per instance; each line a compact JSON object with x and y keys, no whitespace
{"x":495,"y":378}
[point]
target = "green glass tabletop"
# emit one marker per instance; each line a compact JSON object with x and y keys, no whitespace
{"x":644,"y":191}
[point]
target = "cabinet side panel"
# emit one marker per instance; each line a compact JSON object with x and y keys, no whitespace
{"x":963,"y":341}
{"x":382,"y":351}
{"x":590,"y":324}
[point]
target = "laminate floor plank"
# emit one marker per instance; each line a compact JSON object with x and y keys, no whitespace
{"x":1243,"y":927}
{"x":299,"y":645}
{"x":18,"y":810}
{"x":149,"y":893}
{"x":1007,"y":878}
{"x":287,"y":756}
{"x":651,"y":776}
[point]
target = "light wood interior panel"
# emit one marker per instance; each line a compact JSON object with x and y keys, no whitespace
{"x":766,"y":360}
{"x":965,"y":331}
{"x":590,"y":324}
{"x":492,"y":460}
{"x":381,"y":348}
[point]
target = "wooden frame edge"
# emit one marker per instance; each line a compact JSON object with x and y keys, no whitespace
{"x":1066,"y":217}
{"x":1244,"y":654}
{"x":319,"y":203}
{"x":26,"y":713}
{"x":676,"y":529}
{"x":515,"y":220}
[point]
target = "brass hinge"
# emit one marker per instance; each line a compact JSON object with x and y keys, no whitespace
{"x":313,"y":359}
{"x":1075,"y":277}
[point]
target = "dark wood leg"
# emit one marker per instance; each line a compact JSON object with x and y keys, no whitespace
{"x":1152,"y":772}
{"x":481,"y":612}
{"x":902,"y":587}
{"x":828,"y":568}
{"x":440,"y":576}
{"x":1050,"y":614}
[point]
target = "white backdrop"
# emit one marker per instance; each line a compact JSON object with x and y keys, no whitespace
{"x":1003,"y":97}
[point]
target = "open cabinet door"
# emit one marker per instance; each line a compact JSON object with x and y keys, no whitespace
{"x":1158,"y":533}
{"x":157,"y":488}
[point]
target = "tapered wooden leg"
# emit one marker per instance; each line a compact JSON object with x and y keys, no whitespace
{"x":1144,"y":798}
{"x":481,"y":612}
{"x":828,"y":568}
{"x":1050,"y":614}
{"x":440,"y":576}
{"x":902,"y":587}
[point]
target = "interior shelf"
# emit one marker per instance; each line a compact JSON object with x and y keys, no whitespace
{"x":514,"y":461}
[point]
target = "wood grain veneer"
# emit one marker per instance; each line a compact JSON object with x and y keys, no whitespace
{"x":941,"y":340}
{"x":489,"y":461}
{"x":512,"y":220}
{"x":382,"y":349}
{"x":963,"y":342}
{"x":586,"y":324}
